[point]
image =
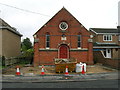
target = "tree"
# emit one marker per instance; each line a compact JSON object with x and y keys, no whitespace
{"x":27,"y":50}
{"x":26,"y":44}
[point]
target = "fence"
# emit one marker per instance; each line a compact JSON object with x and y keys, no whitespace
{"x":13,"y":60}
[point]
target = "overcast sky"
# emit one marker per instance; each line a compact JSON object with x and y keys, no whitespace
{"x":29,"y":15}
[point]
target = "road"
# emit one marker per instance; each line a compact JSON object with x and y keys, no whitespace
{"x":79,"y":84}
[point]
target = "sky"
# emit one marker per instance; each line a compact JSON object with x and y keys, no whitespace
{"x":28,"y":16}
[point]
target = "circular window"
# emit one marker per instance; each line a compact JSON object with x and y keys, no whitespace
{"x":63,"y":25}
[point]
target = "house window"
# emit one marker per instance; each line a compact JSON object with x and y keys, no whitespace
{"x":79,"y":41}
{"x":47,"y":41}
{"x":107,"y":37}
{"x":63,"y":26}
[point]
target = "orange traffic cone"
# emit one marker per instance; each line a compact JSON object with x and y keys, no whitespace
{"x":18,"y":70}
{"x":66,"y":71}
{"x":83,"y":71}
{"x":42,"y":71}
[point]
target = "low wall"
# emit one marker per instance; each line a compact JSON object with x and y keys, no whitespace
{"x":98,"y":58}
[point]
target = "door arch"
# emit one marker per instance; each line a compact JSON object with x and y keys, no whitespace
{"x":63,"y":52}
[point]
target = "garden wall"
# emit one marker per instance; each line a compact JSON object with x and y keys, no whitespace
{"x":98,"y":58}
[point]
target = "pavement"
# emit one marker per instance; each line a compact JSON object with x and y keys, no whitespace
{"x":59,"y":77}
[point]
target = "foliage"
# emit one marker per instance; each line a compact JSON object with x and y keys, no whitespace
{"x":2,"y":61}
{"x":26,"y":44}
{"x":28,"y":53}
{"x":27,"y":50}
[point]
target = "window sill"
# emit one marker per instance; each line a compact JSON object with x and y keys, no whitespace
{"x":79,"y":48}
{"x":107,"y":57}
{"x":107,"y":40}
{"x":47,"y":48}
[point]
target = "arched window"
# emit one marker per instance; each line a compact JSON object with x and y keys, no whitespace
{"x":47,"y":40}
{"x":79,"y":40}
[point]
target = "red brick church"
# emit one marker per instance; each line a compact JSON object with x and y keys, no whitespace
{"x":62,"y":37}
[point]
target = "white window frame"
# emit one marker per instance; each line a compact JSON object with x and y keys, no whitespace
{"x":108,"y":37}
{"x":47,"y":41}
{"x":61,"y":24}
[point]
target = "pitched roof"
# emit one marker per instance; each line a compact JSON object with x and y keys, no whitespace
{"x":58,"y":13}
{"x":4,"y":25}
{"x":104,"y":30}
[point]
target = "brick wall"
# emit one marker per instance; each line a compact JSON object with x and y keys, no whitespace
{"x":44,"y":56}
{"x":98,"y":58}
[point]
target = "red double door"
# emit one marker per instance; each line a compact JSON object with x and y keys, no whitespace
{"x":63,"y":51}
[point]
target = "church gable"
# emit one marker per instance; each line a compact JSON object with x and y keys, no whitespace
{"x":63,"y":16}
{"x":62,"y":37}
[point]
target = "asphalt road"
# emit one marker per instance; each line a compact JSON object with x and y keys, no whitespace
{"x":79,"y":84}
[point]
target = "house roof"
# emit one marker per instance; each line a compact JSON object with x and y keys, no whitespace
{"x":105,"y":45}
{"x":104,"y":30}
{"x":4,"y":25}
